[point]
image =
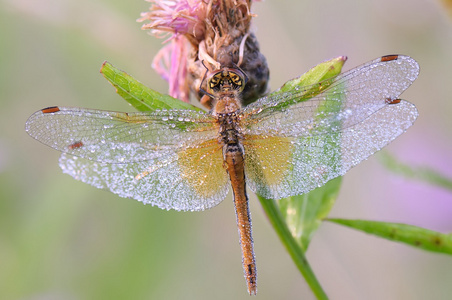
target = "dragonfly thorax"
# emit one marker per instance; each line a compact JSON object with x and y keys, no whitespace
{"x":229,"y":131}
{"x":226,"y":103}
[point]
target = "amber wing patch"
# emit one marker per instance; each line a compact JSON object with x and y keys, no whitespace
{"x":201,"y":167}
{"x":267,"y":161}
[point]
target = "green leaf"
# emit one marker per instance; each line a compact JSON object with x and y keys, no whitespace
{"x":412,"y":235}
{"x":321,"y":72}
{"x":420,"y":173}
{"x":137,"y":94}
{"x":312,"y":82}
{"x":304,"y":213}
{"x":295,"y":219}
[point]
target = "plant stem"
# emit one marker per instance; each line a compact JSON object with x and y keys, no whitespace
{"x":295,"y":251}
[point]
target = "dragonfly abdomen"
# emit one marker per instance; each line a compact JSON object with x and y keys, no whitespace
{"x":234,"y":160}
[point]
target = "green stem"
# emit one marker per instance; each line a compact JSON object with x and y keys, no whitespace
{"x":295,"y":251}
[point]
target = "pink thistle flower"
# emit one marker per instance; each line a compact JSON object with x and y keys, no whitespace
{"x":178,"y":17}
{"x":215,"y":32}
{"x":184,"y":22}
{"x":175,"y":73}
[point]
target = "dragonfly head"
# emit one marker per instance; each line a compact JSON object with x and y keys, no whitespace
{"x":226,"y":79}
{"x":225,"y":83}
{"x":224,"y":87}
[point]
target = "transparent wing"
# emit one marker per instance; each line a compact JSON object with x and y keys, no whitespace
{"x":346,"y":99}
{"x":193,"y":179}
{"x":293,"y":146}
{"x":167,"y":158}
{"x":116,"y":137}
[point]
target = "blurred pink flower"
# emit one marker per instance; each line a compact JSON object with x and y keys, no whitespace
{"x":176,"y":17}
{"x":175,"y":73}
{"x":183,"y":21}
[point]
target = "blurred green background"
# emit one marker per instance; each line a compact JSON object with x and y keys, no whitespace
{"x":62,"y":239}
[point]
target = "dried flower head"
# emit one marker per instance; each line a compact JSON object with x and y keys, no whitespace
{"x":216,"y":32}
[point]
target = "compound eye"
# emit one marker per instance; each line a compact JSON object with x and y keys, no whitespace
{"x":214,"y":82}
{"x":237,"y":80}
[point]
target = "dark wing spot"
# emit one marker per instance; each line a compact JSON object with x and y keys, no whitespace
{"x":75,"y":145}
{"x":392,"y":101}
{"x":389,"y":57}
{"x":51,"y":109}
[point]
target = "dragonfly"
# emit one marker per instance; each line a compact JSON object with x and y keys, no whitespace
{"x":282,"y":145}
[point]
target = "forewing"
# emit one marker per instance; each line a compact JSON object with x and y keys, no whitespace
{"x":116,"y":137}
{"x":313,"y":141}
{"x":346,"y":99}
{"x":192,"y":179}
{"x":167,"y":158}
